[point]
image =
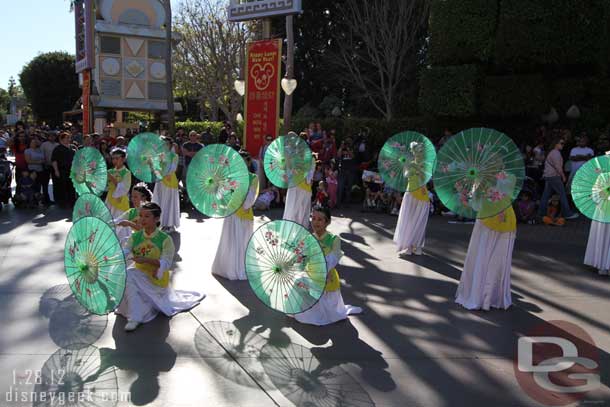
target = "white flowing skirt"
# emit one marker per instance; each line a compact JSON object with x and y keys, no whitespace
{"x":298,"y":206}
{"x":328,"y":310}
{"x":143,"y":300}
{"x":169,"y":201}
{"x":485,"y":281}
{"x":598,"y":246}
{"x":412,"y":221}
{"x":231,"y":253}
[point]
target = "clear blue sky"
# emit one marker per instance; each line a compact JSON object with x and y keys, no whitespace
{"x":31,"y":27}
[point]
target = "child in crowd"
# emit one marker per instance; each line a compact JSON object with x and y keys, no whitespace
{"x":267,"y":198}
{"x":25,"y":195}
{"x":526,"y":208}
{"x":553,"y":213}
{"x":119,"y":183}
{"x":321,"y":195}
{"x":372,"y":187}
{"x":332,"y":186}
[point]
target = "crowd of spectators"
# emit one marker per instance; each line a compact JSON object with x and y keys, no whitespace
{"x":345,"y":171}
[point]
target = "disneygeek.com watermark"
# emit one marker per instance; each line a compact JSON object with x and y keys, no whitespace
{"x":58,"y":387}
{"x":60,"y":398}
{"x":557,"y":363}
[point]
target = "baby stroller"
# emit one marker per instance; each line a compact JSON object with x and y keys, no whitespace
{"x":6,"y":178}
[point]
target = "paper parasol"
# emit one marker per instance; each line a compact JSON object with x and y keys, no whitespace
{"x":288,"y":160}
{"x":89,"y":172}
{"x":479,"y":172}
{"x":91,"y":205}
{"x":286,"y":267}
{"x":76,"y":378}
{"x":95,"y":265}
{"x":217,"y":181}
{"x":308,"y":381}
{"x":220,"y":343}
{"x":591,"y":189}
{"x":406,"y":161}
{"x":148,"y":157}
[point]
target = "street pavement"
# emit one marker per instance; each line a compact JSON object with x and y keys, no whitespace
{"x":412,"y":346}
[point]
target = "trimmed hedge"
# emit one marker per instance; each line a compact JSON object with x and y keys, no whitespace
{"x":462,"y":31}
{"x":449,"y":91}
{"x":549,"y":33}
{"x":201,"y":126}
{"x":507,"y":96}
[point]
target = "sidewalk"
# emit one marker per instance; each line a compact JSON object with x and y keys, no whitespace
{"x":412,"y":346}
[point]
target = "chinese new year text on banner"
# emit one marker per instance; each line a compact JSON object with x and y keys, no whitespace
{"x":262,"y":92}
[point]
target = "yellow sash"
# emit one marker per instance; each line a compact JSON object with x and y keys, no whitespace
{"x":170,"y":181}
{"x":421,"y":194}
{"x":332,"y":281}
{"x":504,"y":222}
{"x":121,"y":203}
{"x":304,"y":186}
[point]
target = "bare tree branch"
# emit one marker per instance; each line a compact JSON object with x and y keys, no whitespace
{"x":209,"y":57}
{"x":377,"y":46}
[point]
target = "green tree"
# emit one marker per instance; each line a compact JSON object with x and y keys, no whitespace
{"x":13,"y":89}
{"x":50,"y":85}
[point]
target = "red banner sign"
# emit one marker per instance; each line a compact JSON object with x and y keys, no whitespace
{"x":86,"y":101}
{"x":264,"y":71}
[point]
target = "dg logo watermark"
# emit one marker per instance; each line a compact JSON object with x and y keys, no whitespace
{"x":557,"y":363}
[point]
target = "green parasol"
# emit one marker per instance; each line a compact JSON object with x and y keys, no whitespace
{"x":89,"y":172}
{"x":91,"y":205}
{"x":288,"y":160}
{"x":286,"y":266}
{"x":95,"y":265}
{"x":591,"y":189}
{"x":217,"y":181}
{"x":148,"y":157}
{"x":479,"y":172}
{"x":406,"y":161}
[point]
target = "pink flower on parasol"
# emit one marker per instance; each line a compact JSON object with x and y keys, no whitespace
{"x":77,"y":284}
{"x":106,"y":259}
{"x":92,"y":237}
{"x":93,"y":165}
{"x":211,"y":160}
{"x":89,"y":292}
{"x":302,"y":285}
{"x":480,"y":147}
{"x":496,"y":196}
{"x":501,"y":176}
{"x":215,"y":206}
